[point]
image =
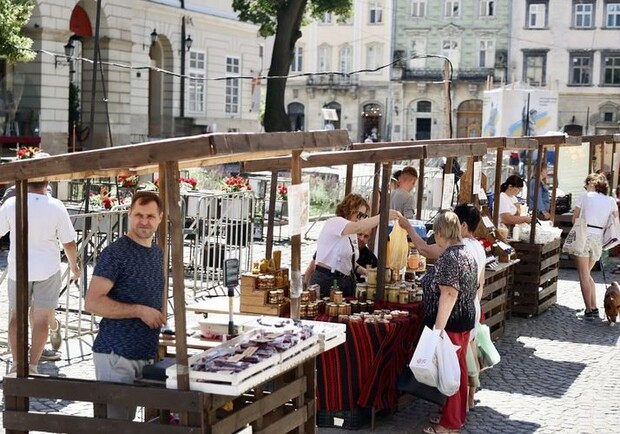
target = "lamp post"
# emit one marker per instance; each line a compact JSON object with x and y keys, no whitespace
{"x":186,"y":44}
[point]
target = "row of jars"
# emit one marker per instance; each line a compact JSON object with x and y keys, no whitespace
{"x":398,"y":294}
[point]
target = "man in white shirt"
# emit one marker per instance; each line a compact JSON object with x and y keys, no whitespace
{"x":48,"y":223}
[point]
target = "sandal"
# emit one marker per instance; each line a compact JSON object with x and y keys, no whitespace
{"x":438,"y":429}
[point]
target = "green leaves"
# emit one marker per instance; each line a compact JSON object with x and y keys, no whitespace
{"x":14,"y":14}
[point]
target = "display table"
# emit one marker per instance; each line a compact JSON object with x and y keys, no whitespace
{"x":363,"y":372}
{"x":495,"y":303}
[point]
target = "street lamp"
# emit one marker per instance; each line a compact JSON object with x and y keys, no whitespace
{"x":188,"y":42}
{"x":153,"y":37}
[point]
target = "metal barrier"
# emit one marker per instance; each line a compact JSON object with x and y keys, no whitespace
{"x":218,"y":226}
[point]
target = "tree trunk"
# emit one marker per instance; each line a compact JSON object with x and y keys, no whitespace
{"x":287,"y":34}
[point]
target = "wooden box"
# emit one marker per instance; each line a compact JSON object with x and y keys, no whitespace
{"x":494,"y":301}
{"x":536,"y":277}
{"x":254,"y":300}
{"x":281,"y":309}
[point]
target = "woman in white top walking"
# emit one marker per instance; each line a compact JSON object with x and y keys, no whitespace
{"x":595,"y":207}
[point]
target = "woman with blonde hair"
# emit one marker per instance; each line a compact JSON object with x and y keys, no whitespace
{"x":595,"y":207}
{"x":337,"y":250}
{"x":448,"y":299}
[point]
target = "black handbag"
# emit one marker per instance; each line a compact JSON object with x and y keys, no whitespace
{"x":563,"y":204}
{"x":407,"y":383}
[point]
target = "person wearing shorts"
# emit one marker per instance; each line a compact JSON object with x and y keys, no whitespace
{"x":48,"y":223}
{"x":126,"y":290}
{"x":596,"y":208}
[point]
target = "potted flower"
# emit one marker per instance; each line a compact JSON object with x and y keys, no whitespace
{"x":237,"y":205}
{"x":281,"y":210}
{"x":27,"y":152}
{"x":237,"y":183}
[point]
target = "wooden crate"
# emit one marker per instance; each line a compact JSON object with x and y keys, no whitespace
{"x":254,"y":300}
{"x":536,"y":277}
{"x":281,"y":309}
{"x":494,"y":301}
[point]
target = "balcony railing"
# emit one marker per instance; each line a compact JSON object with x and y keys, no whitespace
{"x":423,"y":74}
{"x":474,"y":74}
{"x":333,"y":81}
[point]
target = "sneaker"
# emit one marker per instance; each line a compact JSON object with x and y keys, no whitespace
{"x":55,"y":336}
{"x":33,"y":369}
{"x":50,"y":355}
{"x":595,"y":312}
{"x":589,"y":315}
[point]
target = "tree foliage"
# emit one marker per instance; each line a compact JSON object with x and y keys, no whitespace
{"x":283,"y":18}
{"x":14,"y":14}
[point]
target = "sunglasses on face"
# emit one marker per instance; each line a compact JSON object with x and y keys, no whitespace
{"x":361,"y":215}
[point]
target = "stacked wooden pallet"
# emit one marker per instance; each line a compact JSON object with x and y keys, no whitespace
{"x":494,"y":301}
{"x":536,"y":277}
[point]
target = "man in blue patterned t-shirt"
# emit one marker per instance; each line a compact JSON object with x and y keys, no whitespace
{"x":126,"y":290}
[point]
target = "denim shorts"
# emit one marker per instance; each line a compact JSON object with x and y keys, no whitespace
{"x":593,"y":248}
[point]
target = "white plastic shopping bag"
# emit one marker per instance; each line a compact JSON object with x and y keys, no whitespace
{"x":424,"y":363}
{"x":448,"y":366}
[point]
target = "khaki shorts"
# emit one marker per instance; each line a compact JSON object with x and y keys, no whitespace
{"x":42,"y":294}
{"x":593,"y":248}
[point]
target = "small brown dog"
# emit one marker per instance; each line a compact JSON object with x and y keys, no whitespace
{"x":612,"y":302}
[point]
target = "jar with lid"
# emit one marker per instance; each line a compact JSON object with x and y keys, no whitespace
{"x":413,"y":259}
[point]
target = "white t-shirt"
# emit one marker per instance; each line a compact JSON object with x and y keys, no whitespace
{"x":334,"y":249}
{"x":48,"y":223}
{"x":507,"y":205}
{"x":597,"y":210}
{"x":477,"y":251}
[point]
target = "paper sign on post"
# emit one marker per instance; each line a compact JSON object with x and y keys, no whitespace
{"x":448,"y":191}
{"x":298,"y":207}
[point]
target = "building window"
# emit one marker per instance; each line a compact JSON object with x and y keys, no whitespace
{"x":325,"y":54}
{"x":417,"y":47}
{"x":373,"y":56}
{"x":608,"y":117}
{"x":344,"y":59}
{"x":418,"y":8}
{"x":298,"y":60}
{"x":611,"y":69}
{"x":534,"y":68}
{"x":196,"y":82}
{"x":486,"y":54}
{"x":452,"y":8}
{"x":612,"y":14}
{"x":582,"y":15}
{"x":375,"y":15}
{"x":232,"y":86}
{"x":487,"y":8}
{"x":450,"y":49}
{"x":326,"y":18}
{"x":424,"y":107}
{"x":536,"y":14}
{"x":580,"y":69}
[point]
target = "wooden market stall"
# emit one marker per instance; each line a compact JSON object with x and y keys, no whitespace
{"x":534,"y":288}
{"x":289,"y":405}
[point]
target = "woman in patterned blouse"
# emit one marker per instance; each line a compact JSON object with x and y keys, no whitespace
{"x":449,"y":292}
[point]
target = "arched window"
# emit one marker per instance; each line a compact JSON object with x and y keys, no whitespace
{"x":334,"y":122}
{"x":424,"y":107}
{"x":296,"y":114}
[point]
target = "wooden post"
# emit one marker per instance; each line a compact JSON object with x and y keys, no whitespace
{"x":295,"y":244}
{"x":348,"y":187}
{"x":273,"y":189}
{"x":376,"y":194}
{"x":420,"y":189}
{"x":171,"y":175}
{"x":591,"y":153}
{"x":383,"y":223}
{"x":612,"y":170}
{"x":162,"y":237}
{"x":21,"y":282}
{"x":602,"y":160}
{"x":498,"y":182}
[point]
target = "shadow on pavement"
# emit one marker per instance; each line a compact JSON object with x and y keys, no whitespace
{"x":482,"y":417}
{"x":525,"y":373}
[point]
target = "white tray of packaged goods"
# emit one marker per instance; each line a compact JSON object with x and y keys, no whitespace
{"x":236,"y":383}
{"x":330,"y":334}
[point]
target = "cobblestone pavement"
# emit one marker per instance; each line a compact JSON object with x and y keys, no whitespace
{"x":558,"y":373}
